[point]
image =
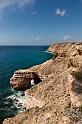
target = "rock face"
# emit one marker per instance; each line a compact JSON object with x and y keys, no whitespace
{"x":22,"y":79}
{"x":57,"y":99}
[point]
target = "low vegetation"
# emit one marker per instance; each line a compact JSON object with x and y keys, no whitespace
{"x":78,"y":75}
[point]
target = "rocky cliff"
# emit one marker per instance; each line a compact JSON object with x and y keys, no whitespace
{"x":57,"y":96}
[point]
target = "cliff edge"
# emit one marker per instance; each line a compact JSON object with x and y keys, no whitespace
{"x":56,"y":97}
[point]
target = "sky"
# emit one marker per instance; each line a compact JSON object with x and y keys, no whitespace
{"x":40,"y":22}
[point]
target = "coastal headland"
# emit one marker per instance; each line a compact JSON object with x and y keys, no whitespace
{"x":56,"y":97}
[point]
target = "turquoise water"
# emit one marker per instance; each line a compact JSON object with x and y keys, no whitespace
{"x":13,"y":58}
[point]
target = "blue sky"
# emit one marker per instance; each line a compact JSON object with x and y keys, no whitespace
{"x":39,"y":22}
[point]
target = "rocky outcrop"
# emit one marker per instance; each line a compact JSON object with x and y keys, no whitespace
{"x":57,"y":99}
{"x":22,"y":79}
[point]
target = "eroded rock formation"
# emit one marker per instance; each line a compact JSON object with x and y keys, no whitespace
{"x":22,"y":79}
{"x":58,"y":98}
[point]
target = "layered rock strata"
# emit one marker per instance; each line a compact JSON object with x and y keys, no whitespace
{"x":22,"y":79}
{"x":57,"y":99}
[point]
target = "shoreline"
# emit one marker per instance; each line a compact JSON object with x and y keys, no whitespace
{"x":13,"y":97}
{"x":55,"y":98}
{"x":12,"y":66}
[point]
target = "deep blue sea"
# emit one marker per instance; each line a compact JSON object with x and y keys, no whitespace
{"x":13,"y":58}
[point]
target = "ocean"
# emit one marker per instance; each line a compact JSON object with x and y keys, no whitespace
{"x":13,"y":58}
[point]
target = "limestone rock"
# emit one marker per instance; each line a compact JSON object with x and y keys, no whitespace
{"x":22,"y":79}
{"x":58,"y":98}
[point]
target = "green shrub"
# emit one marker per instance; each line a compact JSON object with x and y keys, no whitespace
{"x":80,"y":108}
{"x":78,"y":75}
